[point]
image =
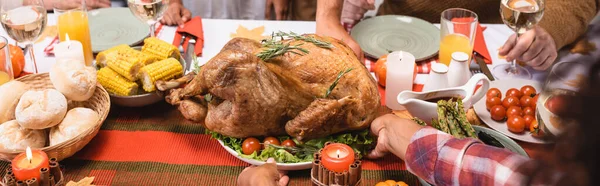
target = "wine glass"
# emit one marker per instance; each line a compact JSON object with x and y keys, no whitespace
{"x":149,"y":11}
{"x":519,"y":15}
{"x":24,"y":21}
{"x":6,"y":71}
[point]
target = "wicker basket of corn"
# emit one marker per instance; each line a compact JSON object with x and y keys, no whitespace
{"x":129,"y":74}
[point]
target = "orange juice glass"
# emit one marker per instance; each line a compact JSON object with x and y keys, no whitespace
{"x":457,"y":28}
{"x":74,"y":22}
{"x":6,"y":71}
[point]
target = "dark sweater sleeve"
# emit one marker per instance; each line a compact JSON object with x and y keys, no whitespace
{"x":566,"y":20}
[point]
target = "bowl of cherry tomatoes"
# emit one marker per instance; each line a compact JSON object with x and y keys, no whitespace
{"x":510,"y":108}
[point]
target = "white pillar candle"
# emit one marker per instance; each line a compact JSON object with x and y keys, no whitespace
{"x":69,"y":49}
{"x":399,"y":77}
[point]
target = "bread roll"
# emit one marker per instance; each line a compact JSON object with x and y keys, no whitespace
{"x":77,"y":121}
{"x":9,"y":97}
{"x":40,"y":109}
{"x":15,"y":137}
{"x":76,"y":81}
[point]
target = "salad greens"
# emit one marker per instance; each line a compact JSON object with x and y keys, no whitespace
{"x":360,"y":141}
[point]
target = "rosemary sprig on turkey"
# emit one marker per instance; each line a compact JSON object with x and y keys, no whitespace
{"x":276,"y":47}
{"x":337,"y":79}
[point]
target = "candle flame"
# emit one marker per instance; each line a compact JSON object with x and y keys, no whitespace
{"x":338,"y":153}
{"x":68,"y":40}
{"x":28,"y":154}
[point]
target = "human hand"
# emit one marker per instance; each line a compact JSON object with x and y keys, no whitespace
{"x":281,"y":9}
{"x":393,"y":135}
{"x":176,"y":14}
{"x":265,"y":174}
{"x":336,"y":30}
{"x":354,"y":10}
{"x":536,"y":48}
{"x":90,"y":4}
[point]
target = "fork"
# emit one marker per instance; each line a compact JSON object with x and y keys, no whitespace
{"x":475,"y":69}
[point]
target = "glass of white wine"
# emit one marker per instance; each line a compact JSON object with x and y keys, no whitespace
{"x":148,"y":11}
{"x":24,"y":21}
{"x":521,"y":16}
{"x":6,"y":71}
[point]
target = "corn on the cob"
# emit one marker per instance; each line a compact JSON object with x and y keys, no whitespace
{"x":115,"y":83}
{"x":145,"y":59}
{"x":162,"y":70}
{"x":128,"y":67}
{"x":103,"y":57}
{"x":160,"y":48}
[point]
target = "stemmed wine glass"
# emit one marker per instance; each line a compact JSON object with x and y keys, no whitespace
{"x":149,"y":11}
{"x":521,"y":16}
{"x":24,"y":21}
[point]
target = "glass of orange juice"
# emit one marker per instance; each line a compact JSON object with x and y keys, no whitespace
{"x":74,"y":21}
{"x":6,"y":71}
{"x":458,"y":28}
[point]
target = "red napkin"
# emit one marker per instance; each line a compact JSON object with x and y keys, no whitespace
{"x":194,"y":28}
{"x":479,"y":45}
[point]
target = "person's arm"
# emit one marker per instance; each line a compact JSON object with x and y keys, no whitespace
{"x":329,"y":24}
{"x":565,"y":21}
{"x":444,"y":160}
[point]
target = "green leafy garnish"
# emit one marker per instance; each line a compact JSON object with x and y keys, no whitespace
{"x":360,"y":141}
{"x":334,"y":84}
{"x":276,"y":47}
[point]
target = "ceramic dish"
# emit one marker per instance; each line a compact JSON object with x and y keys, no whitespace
{"x":484,"y":114}
{"x":507,"y":142}
{"x":381,"y":35}
{"x":280,"y":166}
{"x":110,"y":27}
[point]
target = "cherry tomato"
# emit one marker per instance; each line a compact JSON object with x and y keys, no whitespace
{"x":494,"y":92}
{"x":535,"y":130}
{"x":528,"y":120}
{"x":270,"y":140}
{"x":516,"y":124}
{"x":250,"y":145}
{"x":514,"y":111}
{"x":514,"y":92}
{"x":288,"y":143}
{"x":498,"y":113}
{"x":528,"y":111}
{"x":557,"y":105}
{"x":534,"y":101}
{"x":528,"y":90}
{"x":492,"y":101}
{"x":526,"y":101}
{"x":511,"y":101}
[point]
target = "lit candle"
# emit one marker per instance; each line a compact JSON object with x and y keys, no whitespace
{"x":337,"y":157}
{"x":69,"y":49}
{"x":27,"y":165}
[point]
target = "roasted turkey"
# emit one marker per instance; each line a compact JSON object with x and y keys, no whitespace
{"x":283,"y":95}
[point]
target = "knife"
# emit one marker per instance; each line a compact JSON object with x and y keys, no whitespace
{"x":188,"y":56}
{"x":484,"y":67}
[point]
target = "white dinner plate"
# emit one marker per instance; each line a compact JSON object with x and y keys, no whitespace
{"x":485,"y":116}
{"x":280,"y":166}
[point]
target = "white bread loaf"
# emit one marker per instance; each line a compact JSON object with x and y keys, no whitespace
{"x":9,"y":97}
{"x":77,"y":121}
{"x":40,"y":109}
{"x":15,"y":137}
{"x":73,"y":79}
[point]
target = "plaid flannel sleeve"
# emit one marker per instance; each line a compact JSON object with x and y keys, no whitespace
{"x":442,"y":159}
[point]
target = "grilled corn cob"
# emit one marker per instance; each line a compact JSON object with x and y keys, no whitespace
{"x":145,"y":59}
{"x":115,"y":83}
{"x":160,"y":48}
{"x":162,"y":70}
{"x":128,"y":67}
{"x":110,"y":54}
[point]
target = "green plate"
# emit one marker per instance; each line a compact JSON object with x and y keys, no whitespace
{"x":505,"y":141}
{"x":381,"y":35}
{"x":114,"y":26}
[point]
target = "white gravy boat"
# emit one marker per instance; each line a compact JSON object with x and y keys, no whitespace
{"x":417,"y":106}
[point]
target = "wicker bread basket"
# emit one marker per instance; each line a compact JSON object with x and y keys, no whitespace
{"x":99,"y":102}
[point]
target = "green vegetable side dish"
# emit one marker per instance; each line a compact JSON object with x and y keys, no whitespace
{"x":360,"y":141}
